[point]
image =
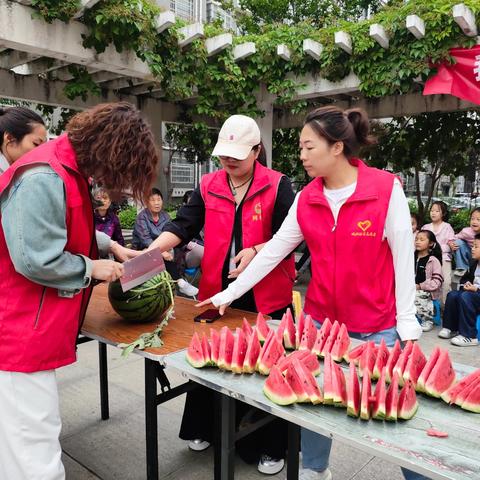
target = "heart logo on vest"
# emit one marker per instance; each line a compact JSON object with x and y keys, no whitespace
{"x":365,"y":225}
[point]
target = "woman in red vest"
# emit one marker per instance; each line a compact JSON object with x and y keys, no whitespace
{"x":239,"y":207}
{"x":48,"y":260}
{"x":355,"y":221}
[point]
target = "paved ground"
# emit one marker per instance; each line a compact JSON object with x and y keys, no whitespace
{"x":115,"y":449}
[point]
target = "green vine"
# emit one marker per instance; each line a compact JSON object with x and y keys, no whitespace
{"x":221,"y":85}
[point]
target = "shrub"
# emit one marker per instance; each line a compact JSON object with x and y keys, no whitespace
{"x":127,"y":217}
{"x":460,"y":220}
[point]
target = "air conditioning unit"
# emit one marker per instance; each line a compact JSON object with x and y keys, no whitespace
{"x":179,"y":192}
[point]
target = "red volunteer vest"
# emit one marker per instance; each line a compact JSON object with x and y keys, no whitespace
{"x":353,"y":279}
{"x":38,"y":329}
{"x":275,"y":290}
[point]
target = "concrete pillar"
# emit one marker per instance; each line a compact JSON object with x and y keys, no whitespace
{"x":265,"y":102}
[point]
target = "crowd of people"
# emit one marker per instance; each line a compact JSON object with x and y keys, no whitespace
{"x":240,"y":226}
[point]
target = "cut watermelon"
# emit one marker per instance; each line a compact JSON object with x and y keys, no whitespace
{"x":464,"y":393}
{"x":239,"y":351}
{"x":353,"y":392}
{"x":262,"y":328}
{"x":416,"y":363}
{"x":281,"y":327}
{"x":270,"y":355}
{"x":214,"y":346}
{"x":392,"y":360}
{"x":441,"y":377}
{"x":472,"y":402}
{"x":309,"y":334}
{"x":450,"y":395}
{"x":381,"y":359}
{"x":379,"y":406}
{"x":367,"y":360}
{"x":300,"y":323}
{"x":314,"y":393}
{"x":328,"y":392}
{"x":195,"y":355}
{"x":247,"y":328}
{"x":297,"y":381}
{"x":311,"y":362}
{"x":366,"y":394}
{"x":427,"y":369}
{"x":407,"y":401}
{"x":225,"y":351}
{"x":207,"y":355}
{"x":355,"y":354}
{"x":252,"y":354}
{"x":307,"y":358}
{"x":341,"y":344}
{"x":289,"y":332}
{"x":327,"y":347}
{"x":391,"y":400}
{"x":277,"y":389}
{"x":322,"y":336}
{"x":339,"y":388}
{"x":402,"y":361}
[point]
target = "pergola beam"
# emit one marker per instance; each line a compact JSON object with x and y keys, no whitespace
{"x":165,"y":20}
{"x":321,"y":87}
{"x":190,"y":33}
{"x":218,"y":43}
{"x":344,"y":41}
{"x":312,"y":48}
{"x":377,"y":32}
{"x":465,"y":19}
{"x":15,"y":58}
{"x":416,"y":26}
{"x":85,"y":5}
{"x":284,"y":52}
{"x":42,"y":65}
{"x":19,"y":31}
{"x":244,"y":50}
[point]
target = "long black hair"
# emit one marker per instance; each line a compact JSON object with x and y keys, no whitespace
{"x":435,"y":249}
{"x":18,"y":122}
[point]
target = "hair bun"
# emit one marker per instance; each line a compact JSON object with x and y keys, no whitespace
{"x":361,"y":125}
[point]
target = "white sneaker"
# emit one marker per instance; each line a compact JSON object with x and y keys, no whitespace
{"x":461,"y":341}
{"x":307,"y":474}
{"x":446,"y":333}
{"x":427,"y":325}
{"x":269,"y":465}
{"x":198,"y":445}
{"x":187,"y":288}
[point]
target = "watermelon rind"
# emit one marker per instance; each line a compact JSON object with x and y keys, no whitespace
{"x":194,"y":355}
{"x":391,"y":400}
{"x":252,"y":354}
{"x":392,"y":360}
{"x":407,"y":401}
{"x":415,"y":364}
{"x":353,"y":392}
{"x":472,"y":402}
{"x":381,"y":359}
{"x":441,"y":377}
{"x":366,"y":394}
{"x":427,"y":369}
{"x":450,"y":395}
{"x":379,"y":408}
{"x":341,"y":344}
{"x":322,"y":336}
{"x":296,"y":380}
{"x":277,"y":389}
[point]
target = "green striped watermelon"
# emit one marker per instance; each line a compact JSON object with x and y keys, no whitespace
{"x":149,"y":301}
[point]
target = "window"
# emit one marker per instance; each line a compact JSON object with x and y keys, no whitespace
{"x":181,"y":172}
{"x":183,"y":8}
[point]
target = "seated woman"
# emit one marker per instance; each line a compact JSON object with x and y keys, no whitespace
{"x":106,"y":220}
{"x":149,"y":225}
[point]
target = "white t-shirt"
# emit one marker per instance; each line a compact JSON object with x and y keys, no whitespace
{"x":398,"y":232}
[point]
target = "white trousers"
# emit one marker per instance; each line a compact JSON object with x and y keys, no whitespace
{"x":30,"y":427}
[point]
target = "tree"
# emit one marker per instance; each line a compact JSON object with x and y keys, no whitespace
{"x":435,"y":143}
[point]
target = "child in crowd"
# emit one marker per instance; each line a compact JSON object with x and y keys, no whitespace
{"x":443,"y":232}
{"x":463,"y":306}
{"x":461,"y":244}
{"x":428,"y":276}
{"x":416,"y":223}
{"x":106,"y":220}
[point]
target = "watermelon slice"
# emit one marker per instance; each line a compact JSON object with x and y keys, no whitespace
{"x":309,"y":334}
{"x":314,"y":393}
{"x":341,"y":344}
{"x":262,"y":328}
{"x":207,"y":355}
{"x":297,"y":381}
{"x":366,"y":394}
{"x":225,"y":350}
{"x":402,"y":361}
{"x":281,"y":327}
{"x":214,"y":346}
{"x":415,"y":364}
{"x":270,"y":336}
{"x":355,"y":354}
{"x":252,"y":353}
{"x":328,"y":393}
{"x":379,"y":406}
{"x":307,"y":358}
{"x":270,"y":355}
{"x":427,"y":369}
{"x":195,"y":356}
{"x":353,"y":392}
{"x":239,"y":351}
{"x":300,"y":324}
{"x":472,"y":402}
{"x":322,"y":336}
{"x":441,"y":377}
{"x":464,"y":393}
{"x":391,"y":400}
{"x":247,"y":328}
{"x":407,"y":401}
{"x":367,"y":360}
{"x":289,"y":332}
{"x":339,"y":387}
{"x":277,"y":389}
{"x":381,"y":359}
{"x":327,"y":347}
{"x":450,"y":395}
{"x":392,"y":360}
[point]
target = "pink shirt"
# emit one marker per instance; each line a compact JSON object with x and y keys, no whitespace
{"x":467,"y":234}
{"x":444,"y":234}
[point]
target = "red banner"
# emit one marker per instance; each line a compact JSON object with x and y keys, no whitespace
{"x":461,"y":79}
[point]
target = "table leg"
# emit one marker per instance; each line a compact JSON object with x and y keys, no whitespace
{"x":151,"y":420}
{"x":293,"y":449}
{"x":225,"y":441}
{"x":103,"y":372}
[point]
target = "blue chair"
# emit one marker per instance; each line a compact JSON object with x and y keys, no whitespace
{"x":436,"y":312}
{"x":192,"y":275}
{"x":478,"y":327}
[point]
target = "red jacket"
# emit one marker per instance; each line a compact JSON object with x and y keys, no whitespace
{"x":38,"y":329}
{"x":353,"y":280}
{"x":275,"y":290}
